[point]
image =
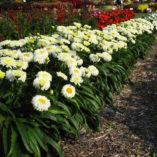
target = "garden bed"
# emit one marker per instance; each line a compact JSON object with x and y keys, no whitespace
{"x":70,"y":75}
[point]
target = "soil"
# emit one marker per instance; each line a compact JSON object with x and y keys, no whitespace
{"x":129,"y":127}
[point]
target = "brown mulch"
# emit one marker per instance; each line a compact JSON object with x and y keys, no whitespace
{"x":129,"y":126}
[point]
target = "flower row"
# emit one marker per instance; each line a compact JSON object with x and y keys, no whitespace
{"x":70,"y":47}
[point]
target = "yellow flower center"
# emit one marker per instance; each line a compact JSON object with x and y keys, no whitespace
{"x":27,"y":54}
{"x":48,"y":48}
{"x":44,"y":75}
{"x":77,"y":79}
{"x":8,"y":61}
{"x":76,"y":71}
{"x":69,"y":90}
{"x":55,"y":35}
{"x":42,"y":101}
{"x":41,"y":51}
{"x":42,"y":82}
{"x":71,"y":61}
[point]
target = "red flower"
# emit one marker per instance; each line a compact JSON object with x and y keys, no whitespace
{"x":113,"y":17}
{"x":18,"y":29}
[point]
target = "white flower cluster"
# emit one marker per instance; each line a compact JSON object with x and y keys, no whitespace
{"x":153,"y":19}
{"x":65,"y":46}
{"x":111,"y":39}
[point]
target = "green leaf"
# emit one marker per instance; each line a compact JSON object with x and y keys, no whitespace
{"x":33,"y":143}
{"x":13,"y":141}
{"x":54,"y":144}
{"x":57,"y":111}
{"x":48,"y":115}
{"x":24,"y":136}
{"x":5,"y":140}
{"x":2,"y":119}
{"x":63,"y":106}
{"x":38,"y":135}
{"x":5,"y":135}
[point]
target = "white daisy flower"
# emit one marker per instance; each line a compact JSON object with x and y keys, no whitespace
{"x":15,"y":43}
{"x":62,"y":75}
{"x":94,"y":57}
{"x":8,"y":62}
{"x":65,"y":48}
{"x":77,"y":24}
{"x":20,"y":75}
{"x":68,"y":91}
{"x":107,"y":57}
{"x":71,"y":62}
{"x":26,"y":56}
{"x":79,"y":61}
{"x":16,"y":53}
{"x":44,"y":75}
{"x":77,"y":80}
{"x":41,"y":103}
{"x":49,"y":49}
{"x":5,"y":42}
{"x":41,"y":83}
{"x":6,"y":52}
{"x":85,"y":72}
{"x":21,"y":64}
{"x":64,"y":41}
{"x":40,"y":56}
{"x":64,"y":57}
{"x":94,"y":71}
{"x":75,"y":71}
{"x":56,"y":50}
{"x":72,"y":53}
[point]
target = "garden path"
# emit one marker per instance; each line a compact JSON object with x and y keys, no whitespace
{"x":129,"y":126}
